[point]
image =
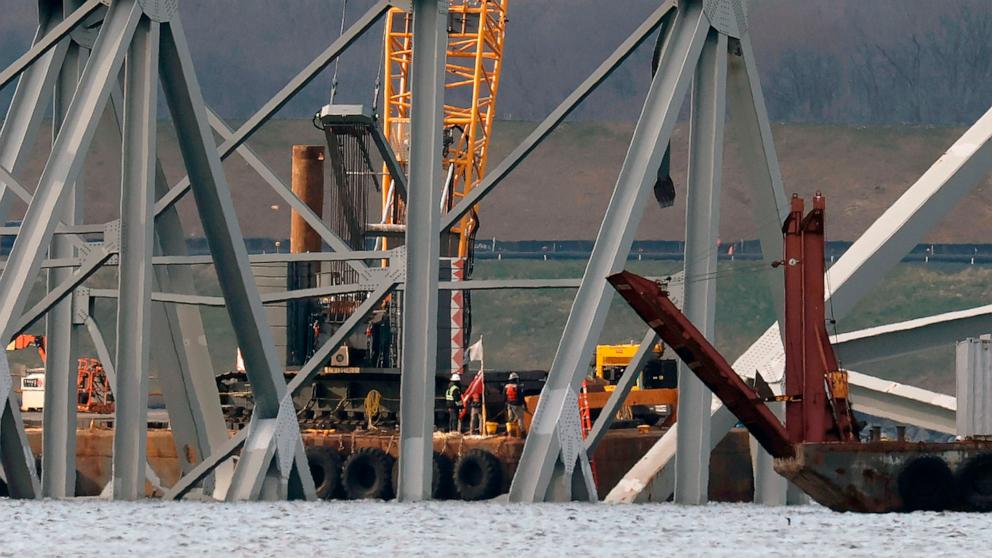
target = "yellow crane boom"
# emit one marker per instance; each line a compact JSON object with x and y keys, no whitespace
{"x":476,"y":33}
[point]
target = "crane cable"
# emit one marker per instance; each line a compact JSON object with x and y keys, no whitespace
{"x":337,"y":59}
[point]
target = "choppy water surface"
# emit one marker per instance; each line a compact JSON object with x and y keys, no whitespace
{"x":99,"y":528}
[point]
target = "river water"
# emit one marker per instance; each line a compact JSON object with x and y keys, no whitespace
{"x":152,"y":528}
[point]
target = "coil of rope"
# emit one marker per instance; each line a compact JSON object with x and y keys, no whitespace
{"x":372,"y":402}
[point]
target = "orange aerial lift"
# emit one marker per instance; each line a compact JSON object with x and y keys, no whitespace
{"x":94,"y":394}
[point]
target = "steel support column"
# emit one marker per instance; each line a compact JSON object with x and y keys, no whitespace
{"x":58,"y":470}
{"x":543,"y":448}
{"x":423,"y":248}
{"x":702,"y":231}
{"x":135,"y":268}
{"x":62,"y":169}
{"x":185,"y":371}
{"x":751,"y":132}
{"x":280,"y":471}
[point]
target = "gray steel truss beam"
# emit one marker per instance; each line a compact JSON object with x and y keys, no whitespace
{"x":286,"y":193}
{"x":543,"y":450}
{"x":703,"y":188}
{"x":135,"y":275}
{"x":68,"y":154}
{"x":894,"y":340}
{"x":27,"y":109}
{"x":62,"y":169}
{"x":280,"y":472}
{"x":558,"y":115}
{"x":389,"y":158}
{"x":107,"y":361}
{"x":423,"y":248}
{"x":305,"y":375}
{"x":305,"y":76}
{"x":905,"y":222}
{"x":90,"y":265}
{"x":751,"y":132}
{"x":49,"y":40}
{"x":186,"y":375}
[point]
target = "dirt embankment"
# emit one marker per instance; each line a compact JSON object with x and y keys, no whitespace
{"x":562,"y":190}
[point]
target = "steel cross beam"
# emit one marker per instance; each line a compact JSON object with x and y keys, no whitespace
{"x":423,"y":248}
{"x":543,"y":449}
{"x":286,"y":193}
{"x":50,"y":39}
{"x":495,"y":176}
{"x":63,"y":168}
{"x":911,"y":336}
{"x":299,"y":81}
{"x":884,"y":244}
{"x":305,"y":375}
{"x":27,"y":109}
{"x":280,"y":469}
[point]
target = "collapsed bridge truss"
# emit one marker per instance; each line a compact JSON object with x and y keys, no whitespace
{"x":75,"y":64}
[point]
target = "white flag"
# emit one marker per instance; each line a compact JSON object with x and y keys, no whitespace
{"x":475,"y":351}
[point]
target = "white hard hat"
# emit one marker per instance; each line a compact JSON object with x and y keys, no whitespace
{"x":456,"y":377}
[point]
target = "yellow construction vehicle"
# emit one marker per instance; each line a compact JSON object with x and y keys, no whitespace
{"x":612,"y":360}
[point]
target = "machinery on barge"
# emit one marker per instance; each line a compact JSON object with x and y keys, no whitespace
{"x":818,"y":447}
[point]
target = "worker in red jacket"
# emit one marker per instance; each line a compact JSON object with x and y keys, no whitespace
{"x":514,"y":394}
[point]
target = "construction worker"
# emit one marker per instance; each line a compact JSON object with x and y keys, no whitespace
{"x":475,"y":417}
{"x":453,"y":399}
{"x":514,"y":394}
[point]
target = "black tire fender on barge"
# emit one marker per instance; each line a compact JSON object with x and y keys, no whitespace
{"x":926,"y":484}
{"x":478,"y":475}
{"x":325,"y":467}
{"x":367,"y":474}
{"x":441,"y":471}
{"x":974,"y":482}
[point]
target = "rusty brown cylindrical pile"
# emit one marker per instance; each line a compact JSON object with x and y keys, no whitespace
{"x":308,"y":185}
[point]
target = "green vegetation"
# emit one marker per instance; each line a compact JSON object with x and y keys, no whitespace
{"x":522,"y":327}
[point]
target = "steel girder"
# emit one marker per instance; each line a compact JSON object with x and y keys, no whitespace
{"x":558,"y":115}
{"x":701,"y":237}
{"x":911,"y":336}
{"x":135,"y":275}
{"x":62,"y":169}
{"x":883,"y":245}
{"x":58,"y":468}
{"x":273,"y":464}
{"x":306,"y":375}
{"x":423,"y":245}
{"x":553,"y":443}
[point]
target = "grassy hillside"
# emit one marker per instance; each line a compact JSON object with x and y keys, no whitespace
{"x":522,"y":328}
